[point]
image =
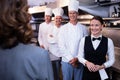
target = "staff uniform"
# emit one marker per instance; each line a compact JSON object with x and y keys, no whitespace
{"x":43,"y":32}
{"x":53,"y":43}
{"x":95,"y":52}
{"x":25,"y":62}
{"x":54,"y":51}
{"x":68,"y":42}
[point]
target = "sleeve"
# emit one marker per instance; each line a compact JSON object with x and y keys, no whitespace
{"x":40,"y":36}
{"x":62,"y":47}
{"x":110,"y":54}
{"x":81,"y":52}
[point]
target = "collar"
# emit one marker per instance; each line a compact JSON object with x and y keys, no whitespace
{"x":92,"y":36}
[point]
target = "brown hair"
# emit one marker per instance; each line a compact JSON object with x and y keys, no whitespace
{"x":99,"y":19}
{"x":14,"y":23}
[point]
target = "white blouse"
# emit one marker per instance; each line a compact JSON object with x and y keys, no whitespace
{"x":110,"y":52}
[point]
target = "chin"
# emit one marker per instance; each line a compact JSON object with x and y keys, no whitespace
{"x":94,"y":33}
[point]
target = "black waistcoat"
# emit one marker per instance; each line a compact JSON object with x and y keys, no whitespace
{"x":97,"y":56}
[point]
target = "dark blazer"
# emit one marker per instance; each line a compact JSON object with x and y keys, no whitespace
{"x":25,"y":62}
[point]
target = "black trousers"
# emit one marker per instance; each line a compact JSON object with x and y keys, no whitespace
{"x":56,"y":69}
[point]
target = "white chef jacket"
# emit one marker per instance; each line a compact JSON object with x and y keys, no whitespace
{"x":53,"y":43}
{"x":110,"y":54}
{"x":43,"y":32}
{"x":69,"y":38}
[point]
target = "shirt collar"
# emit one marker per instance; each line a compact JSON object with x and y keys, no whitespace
{"x":92,"y":36}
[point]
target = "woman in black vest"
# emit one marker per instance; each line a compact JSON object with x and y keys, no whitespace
{"x":93,"y":50}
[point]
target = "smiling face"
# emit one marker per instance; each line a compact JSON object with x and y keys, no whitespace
{"x":96,"y":27}
{"x":58,"y":21}
{"x":73,"y":15}
{"x":47,"y":18}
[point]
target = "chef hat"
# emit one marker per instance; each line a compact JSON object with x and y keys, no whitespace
{"x":73,"y":5}
{"x":58,"y":11}
{"x":48,"y":11}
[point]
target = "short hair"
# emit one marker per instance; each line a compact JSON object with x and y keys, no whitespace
{"x":99,"y":19}
{"x":14,"y":23}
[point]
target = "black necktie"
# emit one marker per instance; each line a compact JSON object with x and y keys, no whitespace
{"x":99,"y":38}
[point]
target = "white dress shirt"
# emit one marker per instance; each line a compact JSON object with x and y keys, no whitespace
{"x":110,"y":52}
{"x":43,"y":32}
{"x":69,"y":38}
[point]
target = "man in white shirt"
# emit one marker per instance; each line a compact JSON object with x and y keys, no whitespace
{"x":68,"y":41}
{"x":53,"y":42}
{"x":44,"y":28}
{"x":93,"y":51}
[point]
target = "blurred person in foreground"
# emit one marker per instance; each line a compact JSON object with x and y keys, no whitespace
{"x":19,"y":60}
{"x":93,"y":51}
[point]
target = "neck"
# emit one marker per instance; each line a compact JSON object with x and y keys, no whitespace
{"x":96,"y":35}
{"x":74,"y":22}
{"x":47,"y":22}
{"x":57,"y":26}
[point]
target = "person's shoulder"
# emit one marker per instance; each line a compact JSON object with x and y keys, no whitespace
{"x":33,"y":53}
{"x":42,"y":23}
{"x":85,"y":37}
{"x":36,"y":49}
{"x":65,"y":25}
{"x":38,"y":53}
{"x":30,"y":49}
{"x":81,"y":25}
{"x":82,"y":40}
{"x":110,"y":40}
{"x":51,"y":23}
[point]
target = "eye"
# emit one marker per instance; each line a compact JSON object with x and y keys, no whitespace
{"x":95,"y":25}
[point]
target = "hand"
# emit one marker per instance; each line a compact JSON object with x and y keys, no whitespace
{"x":99,"y":67}
{"x":42,"y":46}
{"x":91,"y":66}
{"x":74,"y":62}
{"x":51,"y":35}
